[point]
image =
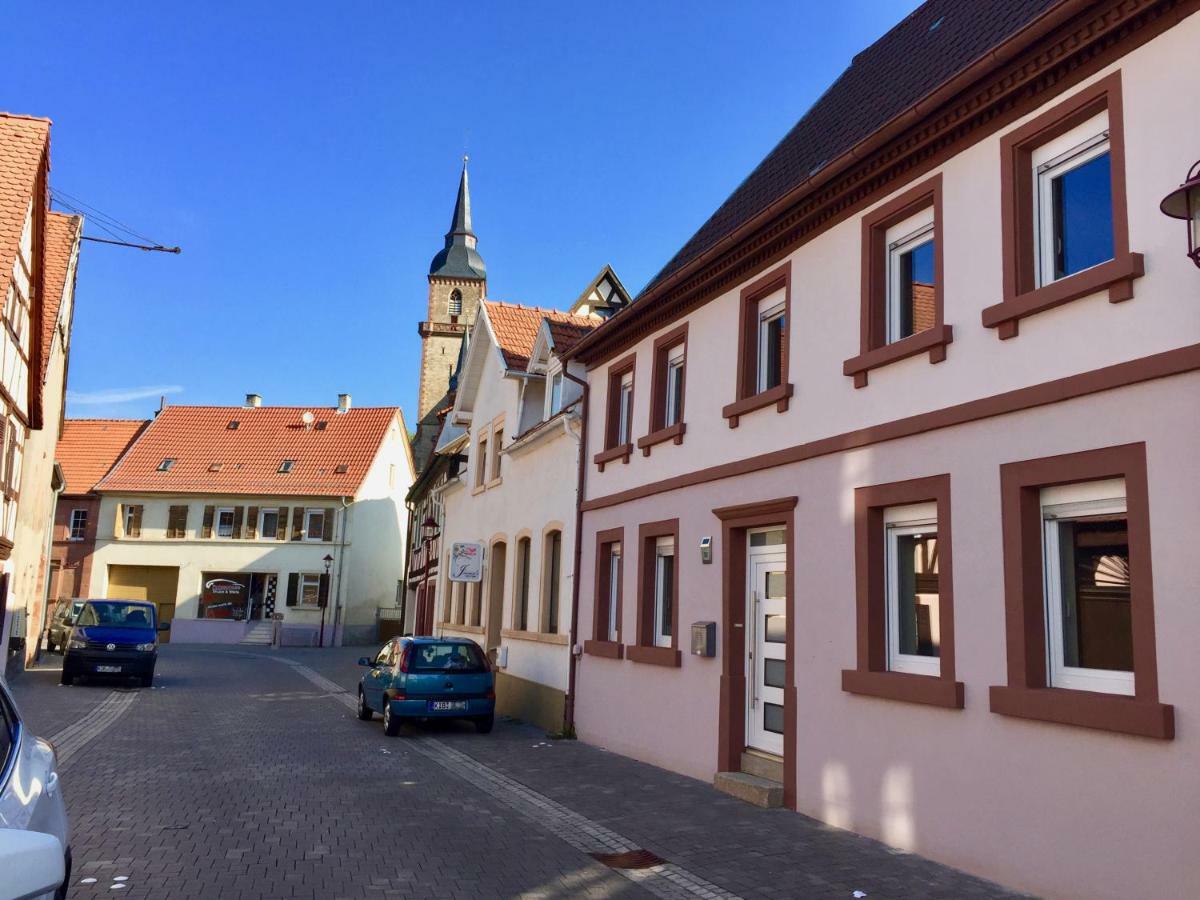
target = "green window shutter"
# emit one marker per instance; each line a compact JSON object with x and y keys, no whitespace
{"x":328,"y":533}
{"x":135,"y":525}
{"x":281,"y":530}
{"x":238,"y":513}
{"x":252,"y":523}
{"x":293,"y":588}
{"x":206,"y":527}
{"x":297,"y":523}
{"x":323,"y":591}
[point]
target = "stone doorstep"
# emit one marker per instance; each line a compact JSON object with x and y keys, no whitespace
{"x":764,"y":765}
{"x":750,"y":788}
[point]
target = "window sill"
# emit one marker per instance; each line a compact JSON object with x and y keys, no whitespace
{"x":607,"y":649}
{"x":654,"y":656}
{"x":1115,"y":276}
{"x":621,"y":452}
{"x":933,"y":340}
{"x":1107,"y":712}
{"x":495,"y":482}
{"x":670,"y":433}
{"x":465,"y":629}
{"x":778,"y":395}
{"x":928,"y":689}
{"x":539,"y":637}
{"x":478,"y":489}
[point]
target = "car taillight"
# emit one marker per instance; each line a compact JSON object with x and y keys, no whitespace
{"x":399,"y":696}
{"x":406,"y":658}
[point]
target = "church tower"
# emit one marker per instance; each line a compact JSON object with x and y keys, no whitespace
{"x":457,"y":282}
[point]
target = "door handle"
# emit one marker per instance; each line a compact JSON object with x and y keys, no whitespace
{"x":753,"y":649}
{"x":52,"y":783}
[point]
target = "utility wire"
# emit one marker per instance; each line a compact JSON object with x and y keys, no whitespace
{"x":117,"y":229}
{"x":61,"y":195}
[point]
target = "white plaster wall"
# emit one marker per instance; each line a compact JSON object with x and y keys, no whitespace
{"x":537,"y":488}
{"x":1161,"y":142}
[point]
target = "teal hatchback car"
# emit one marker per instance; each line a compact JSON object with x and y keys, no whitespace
{"x":428,"y":678}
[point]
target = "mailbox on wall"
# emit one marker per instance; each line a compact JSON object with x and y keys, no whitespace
{"x":704,"y":639}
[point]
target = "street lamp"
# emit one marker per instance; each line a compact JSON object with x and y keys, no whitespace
{"x":429,"y":534}
{"x":323,"y":598}
{"x":1184,"y":203}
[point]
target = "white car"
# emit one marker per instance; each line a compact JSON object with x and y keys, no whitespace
{"x":30,"y":794}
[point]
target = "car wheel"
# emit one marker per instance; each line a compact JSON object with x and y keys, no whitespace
{"x":364,"y":712}
{"x":391,"y":724}
{"x":67,"y":676}
{"x":484,"y":724}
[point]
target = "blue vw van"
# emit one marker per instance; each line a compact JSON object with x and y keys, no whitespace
{"x":115,"y":638}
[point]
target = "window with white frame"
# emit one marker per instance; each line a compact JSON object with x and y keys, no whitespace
{"x":314,"y":524}
{"x":79,"y":520}
{"x":674,"y":385}
{"x":268,"y":524}
{"x":910,"y":276}
{"x":556,"y":394}
{"x":771,"y":324}
{"x":1089,"y":629}
{"x":224,"y":522}
{"x":310,"y":590}
{"x":625,"y":410}
{"x":912,"y":607}
{"x":614,"y":587}
{"x":1073,"y":214}
{"x":664,"y":590}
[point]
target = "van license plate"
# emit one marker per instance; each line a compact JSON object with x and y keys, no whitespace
{"x":447,"y":705}
{"x":108,"y":668}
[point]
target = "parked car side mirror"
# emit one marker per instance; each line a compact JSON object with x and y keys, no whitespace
{"x":365,"y":661}
{"x":164,"y":626}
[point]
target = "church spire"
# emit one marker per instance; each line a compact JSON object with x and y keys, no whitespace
{"x":459,"y":258}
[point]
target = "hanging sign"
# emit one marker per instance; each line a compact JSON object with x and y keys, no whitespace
{"x":466,"y":562}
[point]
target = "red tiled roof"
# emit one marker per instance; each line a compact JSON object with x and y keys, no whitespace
{"x":23,"y":142}
{"x":516,"y":328}
{"x":62,"y":232}
{"x":565,"y":334}
{"x":89,"y":447}
{"x":197,"y":437}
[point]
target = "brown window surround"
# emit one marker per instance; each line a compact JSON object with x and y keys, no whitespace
{"x":1022,"y":297}
{"x":599,"y":644}
{"x":612,"y":414}
{"x":874,"y":350}
{"x":872,"y":676}
{"x":644,"y":651}
{"x":749,"y":398}
{"x":659,"y":430}
{"x":1027,"y":694}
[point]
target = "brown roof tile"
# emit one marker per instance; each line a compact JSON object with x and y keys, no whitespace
{"x":516,"y":328}
{"x":250,"y":454}
{"x":23,"y":142}
{"x":62,"y":233}
{"x":89,"y":447}
{"x":565,"y":334}
{"x":935,"y":42}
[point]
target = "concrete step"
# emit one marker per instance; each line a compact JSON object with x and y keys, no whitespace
{"x":259,"y":635}
{"x":750,"y":788}
{"x":764,"y":765}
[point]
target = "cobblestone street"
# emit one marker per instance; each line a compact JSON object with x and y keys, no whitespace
{"x":245,"y":774}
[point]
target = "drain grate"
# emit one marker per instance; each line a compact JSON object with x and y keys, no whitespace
{"x":630,"y":859}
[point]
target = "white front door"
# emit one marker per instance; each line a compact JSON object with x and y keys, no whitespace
{"x":766,"y":639}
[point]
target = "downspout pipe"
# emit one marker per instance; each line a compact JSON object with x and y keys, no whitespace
{"x":569,"y":706}
{"x":49,"y":549}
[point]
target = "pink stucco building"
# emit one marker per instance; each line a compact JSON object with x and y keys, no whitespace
{"x":913,"y":420}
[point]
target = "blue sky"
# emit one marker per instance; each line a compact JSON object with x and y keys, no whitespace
{"x":305,"y":156}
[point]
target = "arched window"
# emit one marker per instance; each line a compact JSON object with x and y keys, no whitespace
{"x":456,"y":302}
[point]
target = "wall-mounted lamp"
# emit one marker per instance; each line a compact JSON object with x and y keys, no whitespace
{"x":1184,"y":203}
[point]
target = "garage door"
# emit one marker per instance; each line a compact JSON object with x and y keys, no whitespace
{"x":157,"y":584}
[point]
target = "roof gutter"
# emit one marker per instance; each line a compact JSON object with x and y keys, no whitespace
{"x":998,"y":55}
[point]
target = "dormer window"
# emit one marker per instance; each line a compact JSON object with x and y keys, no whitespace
{"x":165,"y":465}
{"x":216,"y":467}
{"x":321,"y":426}
{"x":341,"y":469}
{"x":233,"y":424}
{"x":286,"y":466}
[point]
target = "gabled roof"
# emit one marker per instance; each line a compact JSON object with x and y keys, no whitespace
{"x":516,"y":328}
{"x":24,"y":142}
{"x":211,"y":457}
{"x":88,"y":448}
{"x":935,"y":42}
{"x":62,"y":237}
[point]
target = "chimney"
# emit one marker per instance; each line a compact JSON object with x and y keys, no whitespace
{"x":343,"y":403}
{"x":253,"y":401}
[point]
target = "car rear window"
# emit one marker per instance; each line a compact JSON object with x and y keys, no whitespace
{"x":117,"y":615}
{"x":447,"y":658}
